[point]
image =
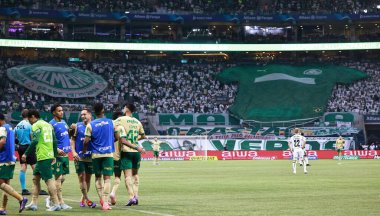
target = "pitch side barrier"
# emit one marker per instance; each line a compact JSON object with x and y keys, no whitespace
{"x":258,"y":155}
{"x":255,"y":155}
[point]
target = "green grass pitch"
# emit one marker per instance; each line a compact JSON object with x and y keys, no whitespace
{"x":236,"y":188}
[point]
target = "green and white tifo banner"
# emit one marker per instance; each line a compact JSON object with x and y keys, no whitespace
{"x":58,"y":80}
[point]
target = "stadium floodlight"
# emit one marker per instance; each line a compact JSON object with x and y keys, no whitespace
{"x":176,"y":47}
{"x":126,"y":12}
{"x":378,"y":6}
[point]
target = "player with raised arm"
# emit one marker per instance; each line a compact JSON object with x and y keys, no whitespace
{"x":101,"y":134}
{"x":131,"y":151}
{"x":44,"y":143}
{"x":339,"y":146}
{"x":156,"y":150}
{"x":61,"y":167}
{"x":296,"y":144}
{"x":82,"y":160}
{"x":7,"y":166}
{"x":116,"y":159}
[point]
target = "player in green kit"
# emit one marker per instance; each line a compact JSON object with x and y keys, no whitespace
{"x":116,"y":159}
{"x":339,"y":146}
{"x":156,"y":150}
{"x":45,"y":145}
{"x":130,"y":151}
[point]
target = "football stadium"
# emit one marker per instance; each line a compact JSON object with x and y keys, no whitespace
{"x":193,"y":107}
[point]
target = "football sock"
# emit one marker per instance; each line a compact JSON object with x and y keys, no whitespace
{"x":83,"y":189}
{"x":304,"y":166}
{"x":58,"y":185}
{"x":4,"y":201}
{"x":51,"y":186}
{"x":129,"y":185}
{"x":136,"y":185}
{"x":36,"y":191}
{"x":9,"y":190}
{"x":99,"y":188}
{"x":22,"y":178}
{"x":107,"y":189}
{"x":115,"y":186}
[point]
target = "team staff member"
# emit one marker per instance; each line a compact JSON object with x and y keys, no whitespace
{"x":101,"y":134}
{"x":82,"y":160}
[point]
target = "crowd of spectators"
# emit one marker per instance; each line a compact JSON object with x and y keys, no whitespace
{"x":83,"y":5}
{"x":362,"y":96}
{"x":325,"y":6}
{"x":154,"y":88}
{"x":178,"y":88}
{"x":202,"y":6}
{"x":211,"y":6}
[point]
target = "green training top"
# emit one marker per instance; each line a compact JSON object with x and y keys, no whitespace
{"x":44,"y":141}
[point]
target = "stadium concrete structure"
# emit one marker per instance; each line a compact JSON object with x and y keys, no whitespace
{"x":76,"y":53}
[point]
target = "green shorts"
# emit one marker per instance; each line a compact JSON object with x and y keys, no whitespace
{"x":130,"y":160}
{"x":6,"y":171}
{"x":103,"y":166}
{"x":83,"y":167}
{"x":116,"y":167}
{"x":61,"y":167}
{"x":339,"y":150}
{"x":44,"y":169}
{"x":156,"y":153}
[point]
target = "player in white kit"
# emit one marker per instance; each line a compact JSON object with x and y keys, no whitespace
{"x":296,"y":145}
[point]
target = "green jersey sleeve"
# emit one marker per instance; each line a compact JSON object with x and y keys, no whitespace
{"x":88,"y":131}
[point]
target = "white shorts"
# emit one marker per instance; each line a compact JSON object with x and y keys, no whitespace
{"x":298,"y":154}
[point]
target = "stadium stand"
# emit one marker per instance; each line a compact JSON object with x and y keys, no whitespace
{"x":170,"y":88}
{"x":361,"y":97}
{"x":202,"y":6}
{"x":179,"y":88}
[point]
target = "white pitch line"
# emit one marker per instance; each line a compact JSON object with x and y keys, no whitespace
{"x":129,"y":209}
{"x":147,"y":212}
